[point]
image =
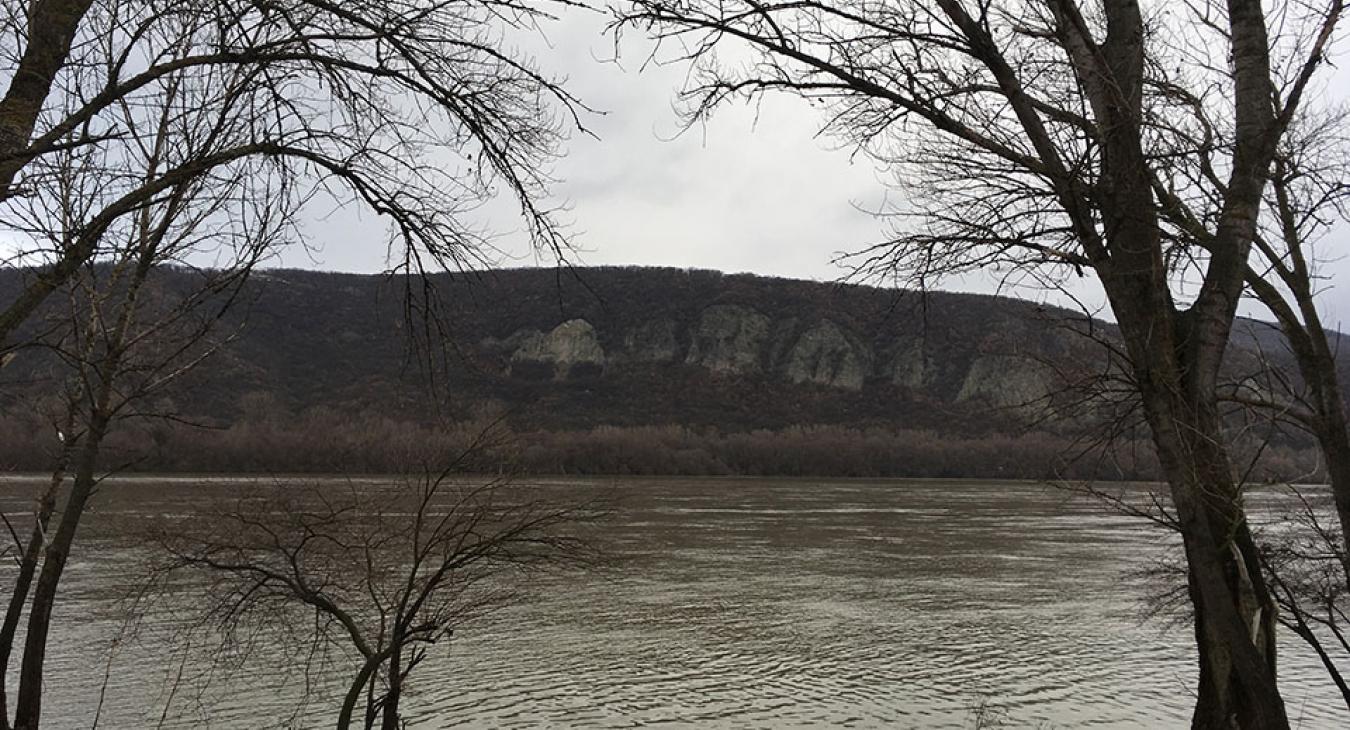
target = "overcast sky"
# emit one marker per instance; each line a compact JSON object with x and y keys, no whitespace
{"x":741,"y":194}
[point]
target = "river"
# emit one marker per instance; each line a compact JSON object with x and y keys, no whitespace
{"x":728,"y":603}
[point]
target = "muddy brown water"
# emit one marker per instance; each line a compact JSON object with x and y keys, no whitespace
{"x":731,"y":603}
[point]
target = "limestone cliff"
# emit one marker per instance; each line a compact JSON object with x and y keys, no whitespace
{"x":645,"y":346}
{"x":570,"y":344}
{"x":1008,"y":381}
{"x":913,"y":367}
{"x":826,"y":355}
{"x":729,"y":339}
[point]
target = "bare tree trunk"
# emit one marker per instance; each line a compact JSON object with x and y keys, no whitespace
{"x":1318,"y":367}
{"x":1335,"y":444}
{"x":389,"y":711}
{"x":24,"y":581}
{"x":99,"y":381}
{"x":1176,"y":358}
{"x":51,"y":28}
{"x":1314,"y":355}
{"x":28,"y":711}
{"x":359,"y":685}
{"x":1234,"y":613}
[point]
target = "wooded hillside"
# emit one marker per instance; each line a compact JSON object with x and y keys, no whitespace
{"x":621,"y":370}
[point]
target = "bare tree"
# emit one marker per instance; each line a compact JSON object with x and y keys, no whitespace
{"x":381,"y":573}
{"x":1298,"y":386}
{"x":416,"y":111}
{"x":118,"y":336}
{"x":1294,"y":384}
{"x":1307,"y":573}
{"x":1308,"y":194}
{"x":140,"y":135}
{"x":1044,"y":136}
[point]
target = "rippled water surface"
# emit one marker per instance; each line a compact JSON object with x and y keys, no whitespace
{"x":731,"y":603}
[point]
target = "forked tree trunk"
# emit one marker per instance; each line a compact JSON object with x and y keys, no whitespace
{"x":1235,"y":617}
{"x":1176,"y":356}
{"x":361,"y":684}
{"x":28,"y":707}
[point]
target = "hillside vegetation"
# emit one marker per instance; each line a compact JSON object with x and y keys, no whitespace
{"x":623,"y":370}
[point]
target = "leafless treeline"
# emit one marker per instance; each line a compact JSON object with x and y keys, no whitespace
{"x":323,"y":441}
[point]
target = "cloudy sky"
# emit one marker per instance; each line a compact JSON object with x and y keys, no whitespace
{"x":753,"y":191}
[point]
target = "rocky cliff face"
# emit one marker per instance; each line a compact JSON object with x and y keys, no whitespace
{"x":628,"y":347}
{"x":565,"y":347}
{"x":826,"y":355}
{"x":729,"y":339}
{"x":913,"y":367}
{"x":738,"y":341}
{"x":645,"y":346}
{"x":1010,"y":382}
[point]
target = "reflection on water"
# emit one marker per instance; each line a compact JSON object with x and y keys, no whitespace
{"x":733,"y":603}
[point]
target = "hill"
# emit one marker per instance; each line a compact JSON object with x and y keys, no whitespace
{"x":691,"y":360}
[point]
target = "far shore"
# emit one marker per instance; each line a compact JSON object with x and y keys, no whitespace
{"x":156,"y":476}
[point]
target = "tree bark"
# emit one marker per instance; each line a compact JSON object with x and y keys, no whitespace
{"x":1234,"y":611}
{"x":358,"y":685}
{"x":52,"y":25}
{"x":23,"y":583}
{"x":28,"y":710}
{"x":389,"y":710}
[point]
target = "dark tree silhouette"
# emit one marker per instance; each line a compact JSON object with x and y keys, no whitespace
{"x":387,"y":572}
{"x":415,"y":111}
{"x":1043,"y":136}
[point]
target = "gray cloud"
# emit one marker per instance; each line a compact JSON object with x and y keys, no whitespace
{"x":765,"y":196}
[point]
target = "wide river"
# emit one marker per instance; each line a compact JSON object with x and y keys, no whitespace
{"x":729,"y":603}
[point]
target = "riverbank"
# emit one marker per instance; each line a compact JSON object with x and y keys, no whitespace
{"x":322,"y":443}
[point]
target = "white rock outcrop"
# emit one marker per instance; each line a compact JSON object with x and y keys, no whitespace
{"x":824,"y":354}
{"x":729,"y":339}
{"x":913,"y":368}
{"x":571,"y":343}
{"x":1008,"y":381}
